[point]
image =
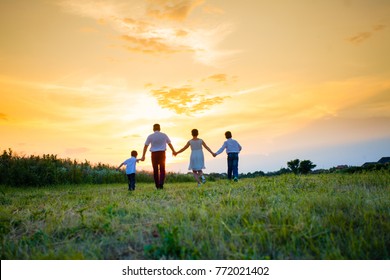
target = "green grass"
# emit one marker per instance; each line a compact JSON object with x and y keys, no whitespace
{"x":330,"y":216}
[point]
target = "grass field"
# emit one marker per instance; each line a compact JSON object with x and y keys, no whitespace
{"x":329,"y":216}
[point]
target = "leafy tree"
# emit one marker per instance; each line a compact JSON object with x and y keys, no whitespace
{"x":300,"y":167}
{"x":306,"y":166}
{"x":294,"y":165}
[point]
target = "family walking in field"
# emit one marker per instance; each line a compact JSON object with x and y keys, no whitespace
{"x":158,"y":142}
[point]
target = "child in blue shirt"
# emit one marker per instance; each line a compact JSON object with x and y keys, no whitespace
{"x":233,"y":148}
{"x":130,"y":169}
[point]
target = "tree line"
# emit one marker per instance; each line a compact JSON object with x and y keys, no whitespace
{"x":46,"y":170}
{"x":303,"y":167}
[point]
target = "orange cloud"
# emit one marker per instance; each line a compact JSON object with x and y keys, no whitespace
{"x":3,"y":117}
{"x":184,"y":100}
{"x":181,"y":33}
{"x":360,"y":37}
{"x":365,"y":35}
{"x":177,"y":10}
{"x":218,"y":78}
{"x":378,"y":27}
{"x":148,"y":45}
{"x":137,"y":26}
{"x":129,"y":20}
{"x":157,"y":26}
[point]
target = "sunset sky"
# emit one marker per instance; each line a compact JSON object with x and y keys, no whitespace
{"x":307,"y":79}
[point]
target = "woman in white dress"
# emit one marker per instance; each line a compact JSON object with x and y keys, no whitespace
{"x":197,"y":157}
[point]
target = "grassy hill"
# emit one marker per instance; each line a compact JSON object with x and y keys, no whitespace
{"x":326,"y":216}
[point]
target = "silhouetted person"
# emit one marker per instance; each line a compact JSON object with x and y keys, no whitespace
{"x":158,"y":142}
{"x":130,"y":169}
{"x":196,"y":157}
{"x":233,"y":148}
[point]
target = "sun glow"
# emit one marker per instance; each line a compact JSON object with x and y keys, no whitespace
{"x":88,"y":79}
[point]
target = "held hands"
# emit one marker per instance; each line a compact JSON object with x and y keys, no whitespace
{"x":176,"y":153}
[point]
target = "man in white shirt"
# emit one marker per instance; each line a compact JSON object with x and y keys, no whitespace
{"x":158,"y":142}
{"x":232,"y":149}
